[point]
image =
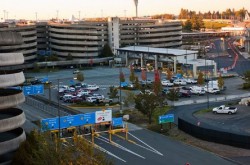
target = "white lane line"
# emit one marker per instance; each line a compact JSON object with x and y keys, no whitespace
{"x":119,"y":146}
{"x":145,"y":144}
{"x":103,"y":150}
{"x":111,"y":154}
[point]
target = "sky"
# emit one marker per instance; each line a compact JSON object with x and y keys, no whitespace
{"x":47,"y":9}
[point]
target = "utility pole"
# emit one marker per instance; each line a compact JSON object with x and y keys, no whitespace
{"x":79,"y":15}
{"x":36,"y":16}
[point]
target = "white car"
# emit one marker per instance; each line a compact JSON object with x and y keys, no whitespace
{"x":92,"y":87}
{"x":197,"y":90}
{"x":191,"y":81}
{"x":98,"y":96}
{"x":167,"y":83}
{"x":180,"y":82}
{"x":91,"y":99}
{"x":76,"y":71}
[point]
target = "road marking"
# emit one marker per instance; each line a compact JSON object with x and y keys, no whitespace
{"x":102,"y":138}
{"x":146,"y":144}
{"x":102,"y":149}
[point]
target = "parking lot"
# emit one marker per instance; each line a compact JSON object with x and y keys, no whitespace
{"x":105,"y":77}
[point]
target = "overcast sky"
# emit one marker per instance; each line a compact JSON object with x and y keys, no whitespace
{"x":46,"y":9}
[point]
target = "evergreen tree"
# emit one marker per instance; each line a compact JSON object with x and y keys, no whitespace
{"x":106,"y":51}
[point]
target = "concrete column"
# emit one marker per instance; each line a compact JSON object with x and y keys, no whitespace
{"x":141,"y":60}
{"x":156,"y":62}
{"x":175,"y":65}
{"x":194,"y":71}
{"x":215,"y":69}
{"x":126,"y":56}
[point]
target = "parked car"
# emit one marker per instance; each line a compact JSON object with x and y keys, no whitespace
{"x":197,"y":90}
{"x":167,"y":83}
{"x":67,"y":98}
{"x":184,"y":93}
{"x":180,"y":82}
{"x":212,"y":90}
{"x":191,"y":81}
{"x":91,"y":99}
{"x":106,"y":100}
{"x":76,"y":71}
{"x":98,"y":96}
{"x":92,"y":87}
{"x":165,"y":91}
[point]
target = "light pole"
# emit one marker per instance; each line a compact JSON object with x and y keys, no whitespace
{"x":120,"y":92}
{"x":206,"y":78}
{"x":58,"y":108}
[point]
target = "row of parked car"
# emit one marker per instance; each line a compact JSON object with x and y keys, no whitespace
{"x":178,"y":81}
{"x":81,"y":92}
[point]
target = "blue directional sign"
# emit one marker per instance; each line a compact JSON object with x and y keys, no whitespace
{"x":166,"y":118}
{"x":28,"y":90}
{"x":50,"y":124}
{"x":33,"y":90}
{"x":88,"y":118}
{"x":70,"y":121}
{"x":117,"y":121}
{"x":38,"y":89}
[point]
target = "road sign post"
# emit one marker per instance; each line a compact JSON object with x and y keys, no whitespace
{"x":169,"y":118}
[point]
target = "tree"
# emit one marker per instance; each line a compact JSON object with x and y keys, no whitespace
{"x":173,"y":94}
{"x":169,"y":74}
{"x":132,"y":75}
{"x":137,"y":85}
{"x":143,"y":75}
{"x":40,"y":148}
{"x":188,"y":25}
{"x":146,"y":103}
{"x":113,"y":92}
{"x":122,"y":77}
{"x":200,"y":79}
{"x":129,"y":98}
{"x":157,"y":84}
{"x":106,"y":51}
{"x":80,"y":76}
{"x":220,"y":82}
{"x":69,"y":57}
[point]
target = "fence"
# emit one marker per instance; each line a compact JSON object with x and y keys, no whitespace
{"x":45,"y":107}
{"x":242,"y":141}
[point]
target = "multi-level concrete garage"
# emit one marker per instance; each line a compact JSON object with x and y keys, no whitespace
{"x":144,"y":32}
{"x":29,"y":35}
{"x":11,"y":118}
{"x":83,"y":40}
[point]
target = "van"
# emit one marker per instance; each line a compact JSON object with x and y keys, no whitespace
{"x":67,"y":98}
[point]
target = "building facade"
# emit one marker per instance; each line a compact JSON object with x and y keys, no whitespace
{"x":11,"y":118}
{"x":80,"y":40}
{"x":29,"y":35}
{"x":144,"y":32}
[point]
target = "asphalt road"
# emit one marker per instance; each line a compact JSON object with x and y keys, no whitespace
{"x":145,"y":147}
{"x":152,"y":148}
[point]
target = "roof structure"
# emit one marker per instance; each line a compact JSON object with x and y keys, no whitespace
{"x":158,"y":51}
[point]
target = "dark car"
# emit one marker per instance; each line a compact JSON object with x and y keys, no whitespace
{"x":184,"y":93}
{"x":36,"y":81}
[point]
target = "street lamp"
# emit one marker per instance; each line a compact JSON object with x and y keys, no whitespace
{"x":206,"y":78}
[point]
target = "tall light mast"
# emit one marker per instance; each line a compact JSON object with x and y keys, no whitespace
{"x":136,"y":6}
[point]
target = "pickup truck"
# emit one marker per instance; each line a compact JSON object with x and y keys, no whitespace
{"x":224,"y":109}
